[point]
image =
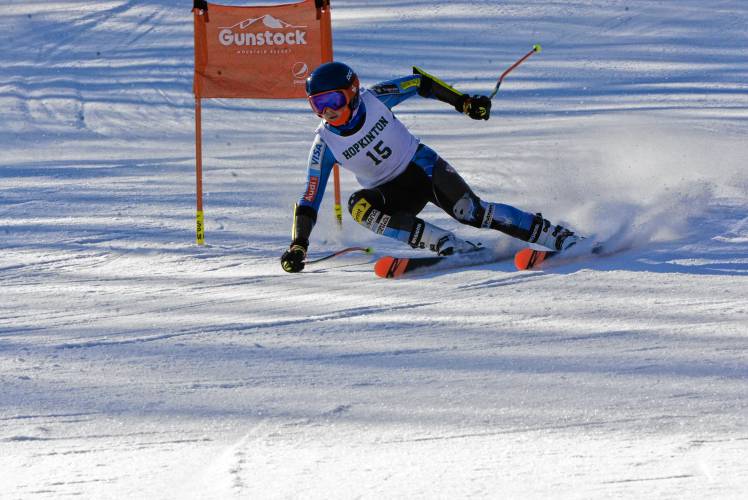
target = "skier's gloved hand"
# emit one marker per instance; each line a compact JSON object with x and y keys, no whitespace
{"x":477,"y":107}
{"x":292,"y":259}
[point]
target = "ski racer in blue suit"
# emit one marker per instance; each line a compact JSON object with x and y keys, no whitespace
{"x":398,"y":173}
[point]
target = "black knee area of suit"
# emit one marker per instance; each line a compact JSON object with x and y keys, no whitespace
{"x":355,"y":198}
{"x":364,"y":197}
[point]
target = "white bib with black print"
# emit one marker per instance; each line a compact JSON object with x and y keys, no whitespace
{"x":379,"y":151}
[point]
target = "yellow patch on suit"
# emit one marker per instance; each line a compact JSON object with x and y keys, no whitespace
{"x":409,"y":83}
{"x":359,"y":210}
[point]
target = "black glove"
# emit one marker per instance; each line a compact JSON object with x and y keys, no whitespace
{"x":477,"y":107}
{"x":292,"y":260}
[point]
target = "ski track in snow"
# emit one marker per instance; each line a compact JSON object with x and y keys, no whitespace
{"x":135,"y":364}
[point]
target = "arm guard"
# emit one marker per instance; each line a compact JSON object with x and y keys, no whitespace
{"x":476,"y":107}
{"x":434,"y":88}
{"x":304,"y":218}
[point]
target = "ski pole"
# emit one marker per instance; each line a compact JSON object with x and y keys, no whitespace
{"x":535,"y":48}
{"x":341,"y":252}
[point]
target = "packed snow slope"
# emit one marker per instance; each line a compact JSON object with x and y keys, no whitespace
{"x":135,"y":364}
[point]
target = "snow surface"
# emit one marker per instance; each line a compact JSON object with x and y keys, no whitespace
{"x":135,"y":364}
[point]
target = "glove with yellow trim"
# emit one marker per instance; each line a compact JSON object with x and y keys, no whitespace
{"x":292,"y":260}
{"x":477,"y":107}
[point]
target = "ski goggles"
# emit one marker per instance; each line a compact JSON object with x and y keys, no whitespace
{"x":334,"y":99}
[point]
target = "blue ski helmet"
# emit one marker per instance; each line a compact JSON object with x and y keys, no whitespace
{"x":329,"y":78}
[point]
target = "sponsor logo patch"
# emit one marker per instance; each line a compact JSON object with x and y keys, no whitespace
{"x":371,"y":220}
{"x":488,"y":217}
{"x":316,"y":155}
{"x":415,"y":236}
{"x":383,"y":224}
{"x":311,"y":189}
{"x":359,"y":210}
{"x":386,"y":88}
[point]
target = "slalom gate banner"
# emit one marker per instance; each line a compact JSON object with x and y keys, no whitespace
{"x":256,"y":52}
{"x":260,"y":52}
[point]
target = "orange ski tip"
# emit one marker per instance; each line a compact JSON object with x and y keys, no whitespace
{"x":528,"y":258}
{"x":382,"y":266}
{"x":522,"y":258}
{"x":390,"y":267}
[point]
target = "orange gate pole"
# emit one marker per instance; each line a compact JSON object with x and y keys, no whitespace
{"x":200,"y":222}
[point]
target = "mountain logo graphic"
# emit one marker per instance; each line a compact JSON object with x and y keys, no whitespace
{"x":267,"y":20}
{"x":259,"y":33}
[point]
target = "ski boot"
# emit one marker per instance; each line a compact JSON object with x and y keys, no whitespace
{"x":451,"y":245}
{"x":439,"y":240}
{"x":556,"y":237}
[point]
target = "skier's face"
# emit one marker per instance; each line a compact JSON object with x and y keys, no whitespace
{"x":334,"y":106}
{"x":333,"y":116}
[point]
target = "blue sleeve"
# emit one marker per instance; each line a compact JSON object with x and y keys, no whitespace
{"x":393,"y":92}
{"x":319,"y":166}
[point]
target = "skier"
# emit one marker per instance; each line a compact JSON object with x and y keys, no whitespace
{"x":399,"y":174}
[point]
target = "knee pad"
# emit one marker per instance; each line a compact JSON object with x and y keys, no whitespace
{"x":468,"y":210}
